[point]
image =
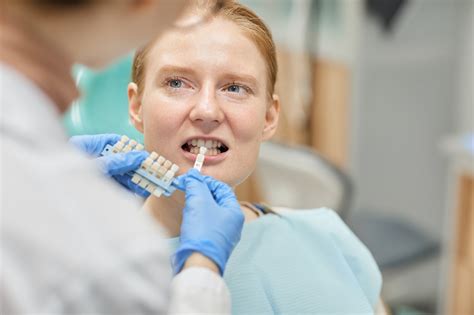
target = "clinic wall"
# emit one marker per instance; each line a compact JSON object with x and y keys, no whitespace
{"x":406,"y":99}
{"x":465,"y":104}
{"x":403,"y":105}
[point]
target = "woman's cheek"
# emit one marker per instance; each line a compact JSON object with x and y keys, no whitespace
{"x":249,"y":128}
{"x":161,"y":115}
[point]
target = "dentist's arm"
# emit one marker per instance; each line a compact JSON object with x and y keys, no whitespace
{"x":211,"y":228}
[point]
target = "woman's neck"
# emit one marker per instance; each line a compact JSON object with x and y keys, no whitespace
{"x":168,"y":211}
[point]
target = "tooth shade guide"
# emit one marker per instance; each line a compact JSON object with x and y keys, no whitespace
{"x":162,"y":171}
{"x":118,"y":147}
{"x":160,"y":160}
{"x":136,"y":179}
{"x":200,"y":158}
{"x":168,"y":176}
{"x":143,"y":183}
{"x":167,"y":164}
{"x":150,"y":188}
{"x":152,"y":175}
{"x":154,"y":168}
{"x":198,"y":164}
{"x":158,"y":192}
{"x":124,"y":139}
{"x":147,"y":163}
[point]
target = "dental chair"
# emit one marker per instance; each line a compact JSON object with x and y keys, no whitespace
{"x":103,"y":105}
{"x":300,"y":178}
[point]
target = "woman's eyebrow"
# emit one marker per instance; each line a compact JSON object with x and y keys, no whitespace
{"x":242,"y":77}
{"x":170,"y":69}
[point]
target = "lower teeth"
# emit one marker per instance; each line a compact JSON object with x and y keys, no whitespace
{"x":213,"y":151}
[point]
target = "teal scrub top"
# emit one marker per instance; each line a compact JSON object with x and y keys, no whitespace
{"x":301,"y":262}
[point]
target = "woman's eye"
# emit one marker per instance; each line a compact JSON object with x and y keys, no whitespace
{"x":238,"y":89}
{"x":234,"y":88}
{"x":175,"y":83}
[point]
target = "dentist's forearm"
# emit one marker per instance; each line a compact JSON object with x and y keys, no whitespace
{"x":199,"y":260}
{"x":199,"y":288}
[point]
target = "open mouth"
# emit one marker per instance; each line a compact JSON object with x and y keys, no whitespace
{"x":214,"y":147}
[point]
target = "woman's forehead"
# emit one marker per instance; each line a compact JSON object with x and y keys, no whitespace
{"x":219,"y":44}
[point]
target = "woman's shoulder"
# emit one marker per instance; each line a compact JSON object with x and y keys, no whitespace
{"x":321,"y":223}
{"x":316,"y":213}
{"x":315,"y":222}
{"x":323,"y":228}
{"x":323,"y":218}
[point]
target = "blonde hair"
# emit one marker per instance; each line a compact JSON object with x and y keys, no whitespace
{"x":250,"y":24}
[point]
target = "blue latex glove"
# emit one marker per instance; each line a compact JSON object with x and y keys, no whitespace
{"x":113,"y":165}
{"x":212,"y":220}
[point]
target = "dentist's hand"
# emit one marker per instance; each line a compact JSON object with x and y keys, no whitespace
{"x":212,"y":221}
{"x":113,"y":165}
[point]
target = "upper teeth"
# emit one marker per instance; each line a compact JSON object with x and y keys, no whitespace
{"x":205,"y":143}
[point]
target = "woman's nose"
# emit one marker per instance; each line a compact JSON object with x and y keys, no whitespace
{"x":206,"y":110}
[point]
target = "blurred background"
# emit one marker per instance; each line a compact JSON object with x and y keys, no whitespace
{"x":377,"y":122}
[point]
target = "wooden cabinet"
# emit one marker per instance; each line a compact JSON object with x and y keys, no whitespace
{"x":460,"y":284}
{"x":461,"y":293}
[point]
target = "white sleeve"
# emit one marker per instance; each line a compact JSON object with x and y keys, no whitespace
{"x":73,"y":243}
{"x":199,"y":290}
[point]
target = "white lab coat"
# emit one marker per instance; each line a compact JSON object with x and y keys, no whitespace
{"x":71,"y":240}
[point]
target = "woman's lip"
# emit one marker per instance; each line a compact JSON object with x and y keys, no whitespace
{"x":208,"y":160}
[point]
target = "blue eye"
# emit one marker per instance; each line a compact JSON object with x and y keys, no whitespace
{"x":234,"y":88}
{"x":175,"y":83}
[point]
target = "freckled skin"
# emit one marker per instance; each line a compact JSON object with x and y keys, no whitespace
{"x":209,"y":81}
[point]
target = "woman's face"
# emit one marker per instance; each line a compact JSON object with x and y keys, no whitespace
{"x":206,"y":87}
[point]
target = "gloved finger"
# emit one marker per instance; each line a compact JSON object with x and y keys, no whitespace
{"x":194,"y":173}
{"x":126,"y":181}
{"x":94,"y":144}
{"x":222,"y":193}
{"x":179,"y":182}
{"x":196,"y":190}
{"x":216,"y":185}
{"x":120,"y":163}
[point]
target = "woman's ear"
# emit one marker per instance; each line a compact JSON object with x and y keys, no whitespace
{"x":135,"y":107}
{"x":271,"y":118}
